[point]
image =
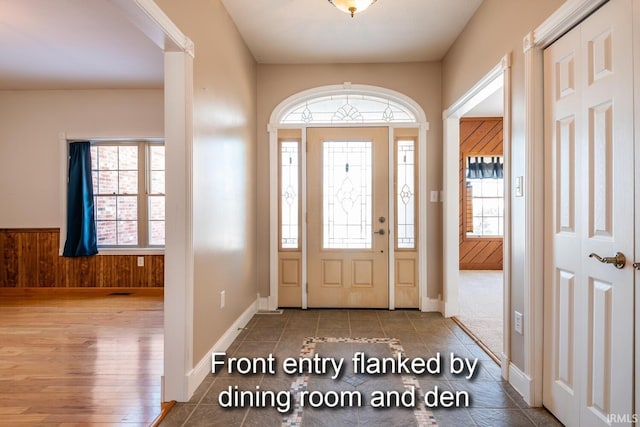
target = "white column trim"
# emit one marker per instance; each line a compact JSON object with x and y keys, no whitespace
{"x":273,"y":217}
{"x":423,"y":214}
{"x":178,"y":275}
{"x":303,"y":194}
{"x":391,"y":219}
{"x":506,"y":240}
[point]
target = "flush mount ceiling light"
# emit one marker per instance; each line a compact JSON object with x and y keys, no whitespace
{"x":352,"y":6}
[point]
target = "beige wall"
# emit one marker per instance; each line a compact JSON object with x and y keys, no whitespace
{"x":420,"y":81}
{"x":224,"y":165}
{"x":30,"y":124}
{"x":496,"y":29}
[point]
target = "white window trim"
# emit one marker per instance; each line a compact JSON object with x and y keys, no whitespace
{"x":64,"y":140}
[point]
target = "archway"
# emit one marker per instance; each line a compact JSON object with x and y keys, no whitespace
{"x":346,"y":105}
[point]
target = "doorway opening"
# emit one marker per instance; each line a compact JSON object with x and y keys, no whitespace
{"x":482,"y":224}
{"x":477,"y":212}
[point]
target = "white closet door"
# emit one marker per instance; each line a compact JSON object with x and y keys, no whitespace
{"x":589,"y":305}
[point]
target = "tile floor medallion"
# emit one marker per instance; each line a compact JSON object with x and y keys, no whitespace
{"x":313,"y":345}
{"x":337,"y":334}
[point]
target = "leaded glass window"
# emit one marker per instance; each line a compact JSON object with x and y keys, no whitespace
{"x":347,"y":194}
{"x":289,"y":194}
{"x":406,"y":193}
{"x":348,"y":109}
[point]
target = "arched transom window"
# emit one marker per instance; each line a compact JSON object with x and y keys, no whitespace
{"x":348,"y":109}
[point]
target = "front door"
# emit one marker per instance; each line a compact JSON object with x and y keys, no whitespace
{"x":348,"y":221}
{"x":589,"y":305}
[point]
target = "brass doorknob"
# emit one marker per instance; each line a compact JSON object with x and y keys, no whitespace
{"x":618,"y":261}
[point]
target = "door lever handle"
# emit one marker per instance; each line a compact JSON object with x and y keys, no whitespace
{"x":618,"y":261}
{"x":380,"y":232}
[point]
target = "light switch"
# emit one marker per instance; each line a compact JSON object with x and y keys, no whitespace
{"x":518,"y":187}
{"x":517,"y":322}
{"x":433,"y":196}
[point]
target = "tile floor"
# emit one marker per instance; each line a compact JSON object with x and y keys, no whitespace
{"x":493,"y":401}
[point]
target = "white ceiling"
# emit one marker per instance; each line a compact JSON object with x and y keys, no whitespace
{"x":492,"y":106}
{"x":86,"y":44}
{"x":64,"y":44}
{"x":313,"y":31}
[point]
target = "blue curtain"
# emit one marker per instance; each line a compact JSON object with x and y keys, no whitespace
{"x":81,"y":225}
{"x":485,"y":168}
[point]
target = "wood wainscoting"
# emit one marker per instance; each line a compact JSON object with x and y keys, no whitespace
{"x":478,"y":137}
{"x":29,"y":258}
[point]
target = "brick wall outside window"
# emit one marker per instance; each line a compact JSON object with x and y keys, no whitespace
{"x":120,"y":175}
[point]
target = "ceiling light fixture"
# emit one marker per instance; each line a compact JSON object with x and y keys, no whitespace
{"x":352,"y":6}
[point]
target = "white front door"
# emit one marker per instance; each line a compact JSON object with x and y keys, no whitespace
{"x":348,"y":217}
{"x":589,"y":305}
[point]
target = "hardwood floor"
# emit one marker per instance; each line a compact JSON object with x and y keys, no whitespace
{"x":80,"y":359}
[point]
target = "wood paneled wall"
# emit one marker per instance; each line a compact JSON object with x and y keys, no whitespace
{"x":478,"y":137}
{"x":29,"y":259}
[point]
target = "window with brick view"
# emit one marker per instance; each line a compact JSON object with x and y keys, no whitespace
{"x":128,"y":186}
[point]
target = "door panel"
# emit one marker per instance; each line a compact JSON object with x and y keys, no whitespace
{"x":348,"y":194}
{"x":562,"y":297}
{"x":607,"y":104}
{"x":589,"y":305}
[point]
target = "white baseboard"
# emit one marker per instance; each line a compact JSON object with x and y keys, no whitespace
{"x":203,"y":368}
{"x":504,"y":366}
{"x":431,"y":305}
{"x":263,"y":303}
{"x":521,"y":382}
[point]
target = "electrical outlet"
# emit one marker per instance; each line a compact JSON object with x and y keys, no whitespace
{"x":517,"y":322}
{"x":222,"y":299}
{"x":140,"y":261}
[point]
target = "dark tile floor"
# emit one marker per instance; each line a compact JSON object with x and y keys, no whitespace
{"x":493,"y":402}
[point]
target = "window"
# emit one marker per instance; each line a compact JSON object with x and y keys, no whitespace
{"x":347,"y":194}
{"x":289,"y":191}
{"x":128,"y":187}
{"x":406,"y":193}
{"x":484,"y":197}
{"x":351,"y":109}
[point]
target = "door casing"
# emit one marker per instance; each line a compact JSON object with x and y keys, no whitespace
{"x":271,"y":302}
